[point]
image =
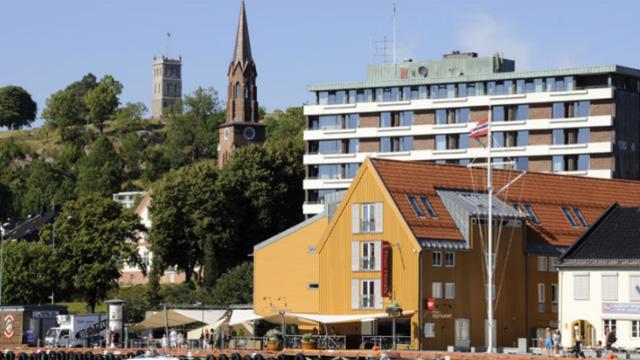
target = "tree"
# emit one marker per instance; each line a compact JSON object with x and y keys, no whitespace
{"x":101,"y":170}
{"x":30,"y":271}
{"x":102,"y":101}
{"x":93,"y":241}
{"x":17,"y":108}
{"x":258,"y":196}
{"x":129,"y":117}
{"x":192,"y":135}
{"x":64,"y":112}
{"x":45,"y":185}
{"x":285,"y":126}
{"x":81,"y":87}
{"x":234,"y":286}
{"x":181,"y":208}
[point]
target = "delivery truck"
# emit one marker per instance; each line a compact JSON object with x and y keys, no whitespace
{"x":77,"y":330}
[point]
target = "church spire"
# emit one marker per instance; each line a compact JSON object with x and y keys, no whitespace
{"x":242,"y":50}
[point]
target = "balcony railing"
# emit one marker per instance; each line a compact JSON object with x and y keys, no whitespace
{"x":386,"y":342}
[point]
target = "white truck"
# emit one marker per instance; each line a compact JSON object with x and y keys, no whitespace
{"x":77,"y":330}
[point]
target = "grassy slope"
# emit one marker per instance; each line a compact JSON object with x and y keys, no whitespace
{"x":81,"y":307}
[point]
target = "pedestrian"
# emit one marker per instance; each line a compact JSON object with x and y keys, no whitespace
{"x":165,"y":341}
{"x":557,"y":337}
{"x":205,"y":339}
{"x":173,"y":338}
{"x":577,"y":347}
{"x":548,"y":342}
{"x":179,"y":340}
{"x":610,"y":338}
{"x":599,"y":349}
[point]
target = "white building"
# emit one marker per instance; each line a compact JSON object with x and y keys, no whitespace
{"x":128,"y":199}
{"x":580,"y":121}
{"x":600,"y":281}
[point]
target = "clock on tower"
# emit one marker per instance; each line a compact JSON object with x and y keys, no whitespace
{"x":242,"y":126}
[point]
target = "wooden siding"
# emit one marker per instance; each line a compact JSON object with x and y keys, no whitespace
{"x":284,"y":269}
{"x":335,"y":252}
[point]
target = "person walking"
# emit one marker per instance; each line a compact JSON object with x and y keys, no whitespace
{"x":173,"y":338}
{"x":610,"y":338}
{"x":548,"y":342}
{"x":577,"y":347}
{"x":557,"y":337}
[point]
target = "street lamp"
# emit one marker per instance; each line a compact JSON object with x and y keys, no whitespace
{"x":394,"y":310}
{"x":1,"y":257}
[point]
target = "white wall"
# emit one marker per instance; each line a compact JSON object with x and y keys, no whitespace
{"x":592,"y":310}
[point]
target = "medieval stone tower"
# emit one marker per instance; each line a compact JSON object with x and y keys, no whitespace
{"x":167,"y":84}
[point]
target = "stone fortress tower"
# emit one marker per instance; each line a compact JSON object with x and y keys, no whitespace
{"x":167,"y":84}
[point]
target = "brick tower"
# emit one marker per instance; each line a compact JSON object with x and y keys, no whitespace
{"x":242,"y":126}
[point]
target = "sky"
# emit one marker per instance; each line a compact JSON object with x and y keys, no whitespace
{"x":47,"y":44}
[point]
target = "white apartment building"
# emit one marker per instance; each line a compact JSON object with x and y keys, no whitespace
{"x":600,"y":282}
{"x":579,"y":121}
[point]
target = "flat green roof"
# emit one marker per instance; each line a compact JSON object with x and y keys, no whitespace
{"x":605,"y":69}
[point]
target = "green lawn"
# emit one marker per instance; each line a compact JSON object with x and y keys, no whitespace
{"x":81,"y":308}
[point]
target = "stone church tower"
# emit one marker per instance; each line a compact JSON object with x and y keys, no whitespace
{"x":167,"y":84}
{"x":242,"y":126}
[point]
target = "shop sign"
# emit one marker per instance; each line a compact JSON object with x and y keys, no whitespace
{"x":385,"y":269}
{"x":439,"y":315}
{"x":44,"y":314}
{"x":621,"y":308}
{"x":430,"y":304}
{"x":9,"y":331}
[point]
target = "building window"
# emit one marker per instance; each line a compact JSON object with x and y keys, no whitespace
{"x":368,"y":256}
{"x":581,"y":108}
{"x":569,"y":216}
{"x":450,"y":291}
{"x":553,"y":264}
{"x":450,"y":259}
{"x":609,"y":324}
{"x":429,"y":330}
{"x":581,"y":287}
{"x":436,"y":258}
{"x":314,"y":286}
{"x":635,"y":329}
{"x":609,"y":287}
{"x":366,"y":218}
{"x":427,"y":205}
{"x":237,"y":92}
{"x":415,"y":206}
{"x":436,"y":290}
{"x":541,"y":297}
{"x":542,"y":263}
{"x":554,"y":297}
{"x":634,"y":287}
{"x":522,"y":163}
{"x":385,"y":119}
{"x":395,"y":144}
{"x":367,"y":298}
{"x":532,"y":214}
{"x":558,"y":111}
{"x":580,"y":217}
{"x":350,"y":170}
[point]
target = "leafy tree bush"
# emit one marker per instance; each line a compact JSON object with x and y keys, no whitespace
{"x":17,"y":108}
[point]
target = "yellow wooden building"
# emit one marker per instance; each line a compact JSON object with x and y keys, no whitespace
{"x":413,"y":235}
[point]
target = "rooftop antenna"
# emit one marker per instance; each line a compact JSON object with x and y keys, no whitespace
{"x":393,"y":24}
{"x":168,"y":37}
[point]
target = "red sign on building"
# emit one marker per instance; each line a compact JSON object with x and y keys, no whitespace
{"x":385,"y":269}
{"x":430,"y":304}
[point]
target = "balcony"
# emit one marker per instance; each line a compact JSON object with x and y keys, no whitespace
{"x":469,"y":101}
{"x":439,"y":129}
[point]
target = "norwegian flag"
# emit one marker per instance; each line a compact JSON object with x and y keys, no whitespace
{"x":481,"y":129}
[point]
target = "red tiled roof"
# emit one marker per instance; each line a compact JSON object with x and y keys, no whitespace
{"x":545,"y":192}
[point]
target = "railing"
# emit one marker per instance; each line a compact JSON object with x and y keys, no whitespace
{"x":247,"y":343}
{"x":386,"y":342}
{"x":330,"y":342}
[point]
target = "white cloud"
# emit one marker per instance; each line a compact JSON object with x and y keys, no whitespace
{"x":482,"y":33}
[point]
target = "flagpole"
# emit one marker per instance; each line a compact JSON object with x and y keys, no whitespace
{"x":490,"y":239}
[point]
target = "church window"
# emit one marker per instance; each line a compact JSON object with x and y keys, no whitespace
{"x":246,"y":92}
{"x":237,"y":96}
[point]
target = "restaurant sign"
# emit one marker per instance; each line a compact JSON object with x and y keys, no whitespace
{"x":621,"y":308}
{"x":385,"y":269}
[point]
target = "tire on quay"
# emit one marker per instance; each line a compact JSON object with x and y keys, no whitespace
{"x":236,"y":356}
{"x":223,"y":357}
{"x":210,"y":357}
{"x":256,"y":357}
{"x":281,"y":357}
{"x":300,"y":356}
{"x":10,"y":355}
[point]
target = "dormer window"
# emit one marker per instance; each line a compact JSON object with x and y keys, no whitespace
{"x":415,"y":206}
{"x":580,"y":217}
{"x":427,"y":205}
{"x":532,"y":214}
{"x":569,"y":216}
